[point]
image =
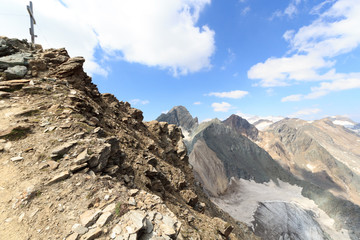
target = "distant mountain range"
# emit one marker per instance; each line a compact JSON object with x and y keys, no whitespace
{"x":292,"y":178}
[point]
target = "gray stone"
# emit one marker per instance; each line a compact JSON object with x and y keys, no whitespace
{"x":100,"y":159}
{"x":59,"y":177}
{"x":77,"y":168}
{"x":92,"y":234}
{"x":80,"y":229}
{"x":15,"y":59}
{"x":103,"y":219}
{"x":16,"y":159}
{"x":82,"y":157}
{"x":53,"y":165}
{"x":15,"y":72}
{"x":136,"y":221}
{"x":133,"y":192}
{"x":132,"y":201}
{"x":74,"y":236}
{"x":89,"y":217}
{"x":61,"y":150}
{"x":110,"y":208}
{"x":115,"y":231}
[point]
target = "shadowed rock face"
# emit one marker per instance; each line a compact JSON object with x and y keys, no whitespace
{"x":287,"y":221}
{"x":179,"y":116}
{"x":242,"y":126}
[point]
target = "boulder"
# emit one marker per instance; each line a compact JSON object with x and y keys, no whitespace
{"x":15,"y":72}
{"x":15,"y":59}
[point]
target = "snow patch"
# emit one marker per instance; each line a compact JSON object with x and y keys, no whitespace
{"x":244,"y":196}
{"x":311,"y":167}
{"x":343,"y":123}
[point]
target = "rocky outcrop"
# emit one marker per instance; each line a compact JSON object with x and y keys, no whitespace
{"x":242,"y":126}
{"x":78,"y":164}
{"x":181,"y":117}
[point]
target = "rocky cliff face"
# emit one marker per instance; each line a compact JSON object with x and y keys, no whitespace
{"x":78,"y":164}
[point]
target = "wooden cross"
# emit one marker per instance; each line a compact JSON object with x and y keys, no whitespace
{"x":32,"y":22}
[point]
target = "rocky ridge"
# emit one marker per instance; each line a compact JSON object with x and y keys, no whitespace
{"x":77,"y":164}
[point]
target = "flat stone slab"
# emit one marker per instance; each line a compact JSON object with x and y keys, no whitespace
{"x":89,"y":217}
{"x":82,"y":157}
{"x":10,"y":82}
{"x":92,"y":234}
{"x":16,"y":159}
{"x":61,"y":150}
{"x":79,"y":229}
{"x":15,"y":59}
{"x":103,"y":219}
{"x":62,"y":176}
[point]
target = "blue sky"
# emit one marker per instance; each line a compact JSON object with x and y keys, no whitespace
{"x":296,"y":58}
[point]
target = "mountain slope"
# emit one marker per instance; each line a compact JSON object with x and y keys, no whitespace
{"x":77,"y":164}
{"x":322,"y":153}
{"x":225,"y":149}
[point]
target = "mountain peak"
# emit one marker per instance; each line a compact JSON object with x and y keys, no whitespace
{"x":242,"y":126}
{"x":181,"y":117}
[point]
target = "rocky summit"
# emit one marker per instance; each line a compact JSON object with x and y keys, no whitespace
{"x":79,"y":164}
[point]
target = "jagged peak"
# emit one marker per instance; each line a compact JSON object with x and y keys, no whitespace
{"x":181,"y":117}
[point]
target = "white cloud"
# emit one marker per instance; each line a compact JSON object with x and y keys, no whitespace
{"x":312,"y":55}
{"x":291,"y":10}
{"x":292,"y":98}
{"x":139,"y":102}
{"x":157,"y":33}
{"x":305,"y":112}
{"x":319,"y":7}
{"x":221,"y":107}
{"x":237,"y":94}
{"x":197,"y":103}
